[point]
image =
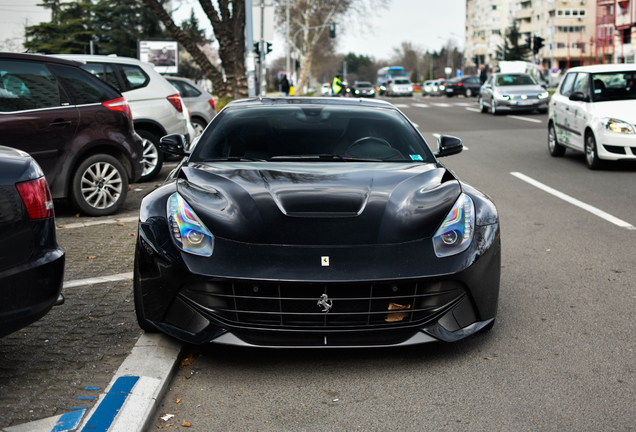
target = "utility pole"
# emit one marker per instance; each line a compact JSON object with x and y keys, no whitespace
{"x":287,"y":65}
{"x":263,"y":84}
{"x":249,"y":48}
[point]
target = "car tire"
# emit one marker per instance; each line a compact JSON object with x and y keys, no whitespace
{"x":469,"y":93}
{"x":483,"y":108}
{"x":591,"y":152}
{"x":144,"y":324}
{"x":556,"y":149}
{"x":493,"y":107}
{"x":199,"y":125}
{"x":153,"y":157}
{"x":99,"y":185}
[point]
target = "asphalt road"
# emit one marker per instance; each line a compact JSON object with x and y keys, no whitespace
{"x":561,"y":356}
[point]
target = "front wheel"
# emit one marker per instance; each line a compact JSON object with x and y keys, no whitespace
{"x":469,"y":93}
{"x":483,"y":108}
{"x":99,"y":185}
{"x":556,"y":149}
{"x":199,"y":126}
{"x":591,"y":152}
{"x":493,"y":107}
{"x":153,"y":157}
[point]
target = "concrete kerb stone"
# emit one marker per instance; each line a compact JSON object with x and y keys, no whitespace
{"x":153,"y":360}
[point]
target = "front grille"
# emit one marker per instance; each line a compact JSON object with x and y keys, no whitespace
{"x":614,"y":149}
{"x":295,"y":305}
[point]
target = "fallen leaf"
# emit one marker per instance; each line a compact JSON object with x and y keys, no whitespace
{"x":91,"y":257}
{"x":611,"y":279}
{"x":488,"y":358}
{"x":186,"y":424}
{"x":120,"y":324}
{"x":178,"y":400}
{"x":77,"y":215}
{"x":120,"y":224}
{"x":186,"y":361}
{"x":131,"y":234}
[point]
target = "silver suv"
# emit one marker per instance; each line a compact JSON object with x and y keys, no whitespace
{"x":200,"y":103}
{"x":156,"y":106}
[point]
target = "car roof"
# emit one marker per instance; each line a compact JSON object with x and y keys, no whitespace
{"x":38,"y":58}
{"x":100,"y":58}
{"x":616,"y":67}
{"x":260,"y":101}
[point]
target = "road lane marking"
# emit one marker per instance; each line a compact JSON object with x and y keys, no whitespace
{"x":402,"y":105}
{"x":600,"y":213}
{"x":98,"y":222}
{"x":525,"y":119}
{"x":96,"y":280}
{"x":473,"y":109}
{"x":443,"y":105}
{"x":464,"y":104}
{"x":420,"y":105}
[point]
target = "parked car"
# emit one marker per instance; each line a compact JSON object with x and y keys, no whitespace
{"x":157,"y":109}
{"x":31,"y":260}
{"x":77,"y":128}
{"x":399,"y":87}
{"x":467,"y":86}
{"x":355,"y":234}
{"x":417,"y":86}
{"x":200,"y":103}
{"x":429,"y":88}
{"x":325,"y":89}
{"x":593,"y":112}
{"x":363,"y":89}
{"x":513,"y":92}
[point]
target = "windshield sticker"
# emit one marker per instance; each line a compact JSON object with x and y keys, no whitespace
{"x":416,"y":157}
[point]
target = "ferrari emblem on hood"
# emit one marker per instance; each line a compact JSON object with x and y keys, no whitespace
{"x":324,"y":261}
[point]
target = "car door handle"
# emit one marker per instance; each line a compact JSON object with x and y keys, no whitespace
{"x":60,"y":123}
{"x":567,"y":108}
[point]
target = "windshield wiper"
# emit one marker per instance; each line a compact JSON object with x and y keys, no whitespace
{"x":325,"y":157}
{"x":235,"y":159}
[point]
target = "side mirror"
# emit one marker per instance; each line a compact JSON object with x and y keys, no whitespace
{"x":448,"y":145}
{"x":578,"y":96}
{"x":174,"y":144}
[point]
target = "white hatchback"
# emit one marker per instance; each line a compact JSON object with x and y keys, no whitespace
{"x":156,"y":105}
{"x":594,"y":111}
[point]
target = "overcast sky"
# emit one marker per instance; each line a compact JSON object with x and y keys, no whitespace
{"x":425,"y":23}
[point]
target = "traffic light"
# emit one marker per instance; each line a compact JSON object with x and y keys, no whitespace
{"x":537,"y":44}
{"x":257,"y":49}
{"x":268,"y":48}
{"x":332,"y":30}
{"x":529,"y":42}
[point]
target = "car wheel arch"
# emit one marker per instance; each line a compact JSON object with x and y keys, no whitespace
{"x":150,"y":126}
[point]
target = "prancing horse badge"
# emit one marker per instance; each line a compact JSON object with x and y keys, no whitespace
{"x":324,"y":261}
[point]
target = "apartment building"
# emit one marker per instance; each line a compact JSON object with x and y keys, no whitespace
{"x":486,"y":24}
{"x":623,"y":37}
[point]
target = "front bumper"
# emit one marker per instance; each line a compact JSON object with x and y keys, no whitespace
{"x":522,"y":105}
{"x":258,"y":295}
{"x":615,"y":146}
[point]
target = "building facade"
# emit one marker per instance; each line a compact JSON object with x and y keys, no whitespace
{"x":624,"y":38}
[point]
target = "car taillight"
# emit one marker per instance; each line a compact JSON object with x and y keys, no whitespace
{"x":212,"y":104}
{"x":37,"y":198}
{"x":175,"y":100}
{"x":460,"y":84}
{"x":119,"y":104}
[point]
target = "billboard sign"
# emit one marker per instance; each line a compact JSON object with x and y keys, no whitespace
{"x":163,"y":54}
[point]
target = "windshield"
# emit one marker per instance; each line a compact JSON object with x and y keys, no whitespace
{"x":613,"y":86}
{"x":402,"y":81}
{"x":311,"y":133}
{"x":363,"y":85}
{"x":396,"y":73}
{"x":514,"y":80}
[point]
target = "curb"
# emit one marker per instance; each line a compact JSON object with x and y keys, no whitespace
{"x":131,"y":398}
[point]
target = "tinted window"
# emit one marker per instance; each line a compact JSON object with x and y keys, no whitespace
{"x":104,"y":72}
{"x":133,"y":76}
{"x":402,"y":81}
{"x":83,"y":87}
{"x":514,"y":80}
{"x":566,"y":86}
{"x":581,"y":84}
{"x":185,"y":89}
{"x":614,"y":86}
{"x":26,"y":86}
{"x":278,"y":132}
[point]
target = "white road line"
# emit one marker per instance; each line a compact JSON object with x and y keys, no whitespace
{"x":98,"y":222}
{"x":96,"y":280}
{"x":402,"y":105}
{"x":473,"y":109}
{"x":419,"y":105}
{"x":464,"y":104}
{"x":525,"y":119}
{"x":444,"y":105}
{"x":600,"y":213}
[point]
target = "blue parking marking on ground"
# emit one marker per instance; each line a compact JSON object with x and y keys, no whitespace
{"x":86,"y":397}
{"x":69,"y":421}
{"x":91,"y":388}
{"x":105,"y":413}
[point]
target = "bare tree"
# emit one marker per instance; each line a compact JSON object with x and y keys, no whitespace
{"x":228,"y":24}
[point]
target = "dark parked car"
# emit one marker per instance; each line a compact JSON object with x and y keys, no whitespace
{"x":467,"y":86}
{"x":31,"y":260}
{"x":315,"y":222}
{"x":78,"y":128}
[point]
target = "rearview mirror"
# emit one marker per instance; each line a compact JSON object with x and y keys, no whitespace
{"x":448,"y":145}
{"x":174,"y":144}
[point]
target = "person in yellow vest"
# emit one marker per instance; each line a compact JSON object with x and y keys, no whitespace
{"x":336,"y":86}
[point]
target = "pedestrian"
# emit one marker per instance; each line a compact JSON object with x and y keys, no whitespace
{"x":483,"y":74}
{"x":284,"y":85}
{"x":336,"y":86}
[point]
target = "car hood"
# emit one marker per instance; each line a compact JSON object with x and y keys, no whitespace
{"x":319,"y":203}
{"x":524,"y":89}
{"x":621,"y":110}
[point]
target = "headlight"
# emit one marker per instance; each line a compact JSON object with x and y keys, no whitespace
{"x":188,"y":231}
{"x":543,"y":95}
{"x":502,"y":97}
{"x":372,"y":91}
{"x":618,"y":126}
{"x":357,"y":91}
{"x":382,"y":88}
{"x":442,"y":87}
{"x":410,"y":88}
{"x":456,"y":233}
